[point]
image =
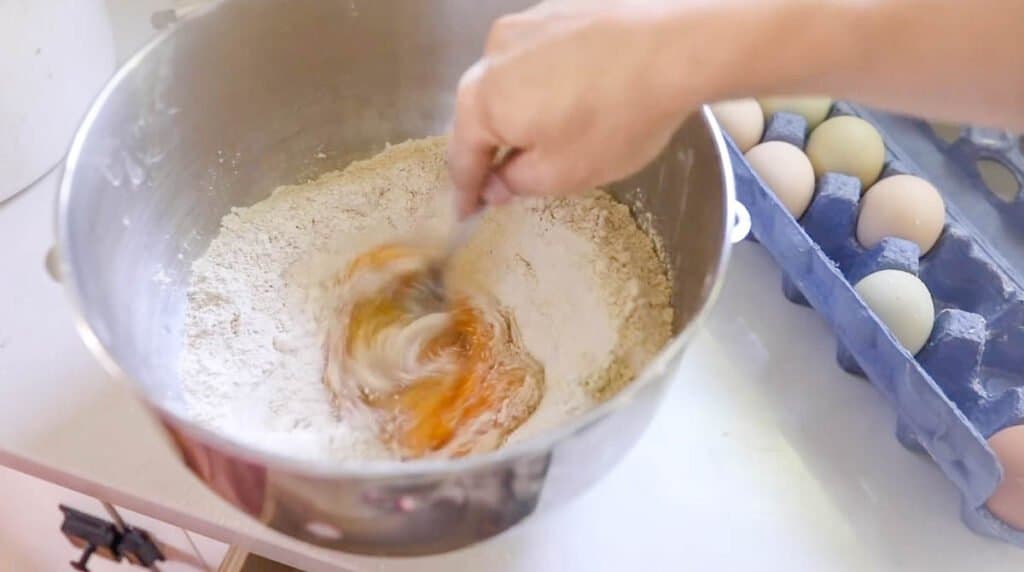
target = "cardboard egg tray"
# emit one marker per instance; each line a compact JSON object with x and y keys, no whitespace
{"x":968,"y":380}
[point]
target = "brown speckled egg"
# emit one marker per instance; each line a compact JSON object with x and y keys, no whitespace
{"x":813,"y":109}
{"x":1007,"y":502}
{"x":742,"y":119}
{"x":847,"y":145}
{"x":901,"y":206}
{"x":786,"y":171}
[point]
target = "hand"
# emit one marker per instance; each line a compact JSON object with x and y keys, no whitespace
{"x":588,"y":91}
{"x":575,"y":90}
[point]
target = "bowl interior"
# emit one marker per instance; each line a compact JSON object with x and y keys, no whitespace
{"x":253,"y":94}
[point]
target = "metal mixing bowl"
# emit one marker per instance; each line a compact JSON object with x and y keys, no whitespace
{"x":251,"y":94}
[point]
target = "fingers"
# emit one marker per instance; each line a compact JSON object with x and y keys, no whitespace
{"x":571,"y":168}
{"x":496,"y":192}
{"x":471,"y":148}
{"x":468,"y":167}
{"x":534,"y":173}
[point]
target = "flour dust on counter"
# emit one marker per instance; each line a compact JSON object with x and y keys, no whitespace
{"x":582,"y":282}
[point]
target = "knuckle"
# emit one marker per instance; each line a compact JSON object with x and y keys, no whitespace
{"x":504,"y":30}
{"x":467,"y":102}
{"x":469,"y":82}
{"x":495,"y":37}
{"x":508,"y":22}
{"x":487,"y":107}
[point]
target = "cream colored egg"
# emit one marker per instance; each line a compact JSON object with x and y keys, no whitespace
{"x":786,"y":171}
{"x":903,"y":303}
{"x":1007,"y":502}
{"x":847,"y":145}
{"x":813,"y":109}
{"x":742,"y":120}
{"x":901,"y":206}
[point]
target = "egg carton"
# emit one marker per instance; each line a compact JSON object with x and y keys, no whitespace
{"x":968,"y":380}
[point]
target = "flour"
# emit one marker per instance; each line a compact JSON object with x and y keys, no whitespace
{"x":584,"y":284}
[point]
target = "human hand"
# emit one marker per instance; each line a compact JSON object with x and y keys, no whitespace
{"x":578,"y":90}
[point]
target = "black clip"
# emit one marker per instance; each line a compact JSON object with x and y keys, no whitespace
{"x":98,"y":536}
{"x":94,"y":535}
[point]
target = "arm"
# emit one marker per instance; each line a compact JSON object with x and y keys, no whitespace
{"x":943,"y":59}
{"x":588,"y":91}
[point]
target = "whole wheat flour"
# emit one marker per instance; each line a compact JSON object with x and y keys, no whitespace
{"x":582,"y":281}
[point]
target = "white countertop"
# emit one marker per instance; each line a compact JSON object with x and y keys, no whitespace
{"x":764,"y":455}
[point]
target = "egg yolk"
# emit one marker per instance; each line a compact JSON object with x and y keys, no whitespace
{"x":440,"y":379}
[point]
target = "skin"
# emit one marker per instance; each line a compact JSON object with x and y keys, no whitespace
{"x":584,"y":92}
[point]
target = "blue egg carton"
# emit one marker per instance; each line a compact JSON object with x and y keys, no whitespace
{"x":968,"y":380}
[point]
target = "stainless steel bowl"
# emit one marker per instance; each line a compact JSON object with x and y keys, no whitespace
{"x":251,"y":94}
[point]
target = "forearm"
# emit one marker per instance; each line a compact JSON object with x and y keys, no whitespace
{"x":957,"y":60}
{"x":947,"y":59}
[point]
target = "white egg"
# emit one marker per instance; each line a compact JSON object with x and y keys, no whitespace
{"x":786,"y":171}
{"x":902,"y":206}
{"x":742,"y":119}
{"x":903,"y":303}
{"x":813,"y":109}
{"x":847,"y":145}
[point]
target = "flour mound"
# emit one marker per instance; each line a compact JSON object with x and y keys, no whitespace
{"x":581,"y":280}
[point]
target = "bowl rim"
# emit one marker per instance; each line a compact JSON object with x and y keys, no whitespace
{"x":415,"y":468}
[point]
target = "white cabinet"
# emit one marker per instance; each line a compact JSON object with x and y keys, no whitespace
{"x":30,"y":536}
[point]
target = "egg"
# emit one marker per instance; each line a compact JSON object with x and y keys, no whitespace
{"x":742,"y":119}
{"x":903,"y":303}
{"x":847,"y":145}
{"x":1007,"y":502}
{"x":813,"y":109}
{"x":786,"y":171}
{"x":901,"y":206}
